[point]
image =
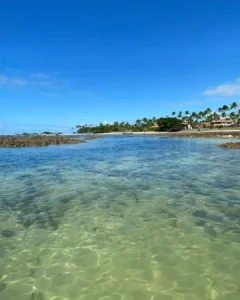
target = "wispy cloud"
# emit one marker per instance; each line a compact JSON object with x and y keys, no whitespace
{"x":3,"y":125}
{"x":226,"y":89}
{"x":3,"y":80}
{"x":12,"y":81}
{"x":52,"y":85}
{"x":40,"y":75}
{"x":51,"y":94}
{"x":63,"y":91}
{"x":43,"y":83}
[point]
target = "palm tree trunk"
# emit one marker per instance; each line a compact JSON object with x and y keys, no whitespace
{"x":235,"y":121}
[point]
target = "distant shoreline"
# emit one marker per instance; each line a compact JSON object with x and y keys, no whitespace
{"x":20,"y":141}
{"x":209,"y":133}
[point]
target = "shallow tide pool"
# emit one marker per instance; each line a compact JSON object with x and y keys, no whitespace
{"x":120,"y":218}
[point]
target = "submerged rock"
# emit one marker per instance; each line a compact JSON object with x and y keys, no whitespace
{"x":211,"y":231}
{"x":200,"y":223}
{"x":33,"y":296}
{"x":28,"y":222}
{"x":200,"y":213}
{"x":53,"y":223}
{"x":8,"y":233}
{"x":37,"y":296}
{"x":3,"y":285}
{"x":174,"y":223}
{"x":93,"y":137}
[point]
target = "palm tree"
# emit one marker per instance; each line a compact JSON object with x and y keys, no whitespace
{"x":201,"y":115}
{"x":173,"y":113}
{"x":138,"y":122}
{"x":216,"y":116}
{"x":225,"y":108}
{"x":235,"y":114}
{"x":193,"y":116}
{"x":224,"y":115}
{"x":145,"y":120}
{"x":234,"y":105}
{"x":208,"y":111}
{"x":209,"y":118}
{"x":150,"y":123}
{"x":180,"y":115}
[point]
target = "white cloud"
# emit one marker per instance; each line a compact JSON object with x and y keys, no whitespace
{"x":226,"y":89}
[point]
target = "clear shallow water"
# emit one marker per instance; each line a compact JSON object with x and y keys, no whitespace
{"x":120,"y":218}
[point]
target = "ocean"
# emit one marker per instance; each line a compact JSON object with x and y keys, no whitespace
{"x":120,"y":218}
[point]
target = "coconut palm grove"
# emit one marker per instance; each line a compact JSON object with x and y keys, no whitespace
{"x":174,"y":122}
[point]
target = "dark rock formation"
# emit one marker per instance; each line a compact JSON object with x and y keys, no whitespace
{"x":36,"y":141}
{"x":41,"y":141}
{"x":8,"y":233}
{"x":231,"y":145}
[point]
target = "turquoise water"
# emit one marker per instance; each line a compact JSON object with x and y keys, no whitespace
{"x":120,"y":218}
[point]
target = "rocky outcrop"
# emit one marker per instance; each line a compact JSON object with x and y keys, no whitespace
{"x":208,"y":134}
{"x":36,"y":141}
{"x":9,"y":141}
{"x":231,"y":145}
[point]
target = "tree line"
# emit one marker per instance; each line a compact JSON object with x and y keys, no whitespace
{"x":170,"y":123}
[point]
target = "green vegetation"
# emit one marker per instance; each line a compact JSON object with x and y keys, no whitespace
{"x":169,"y":124}
{"x":140,"y":125}
{"x":174,"y":123}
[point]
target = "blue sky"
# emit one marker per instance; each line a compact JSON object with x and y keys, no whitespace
{"x":72,"y":62}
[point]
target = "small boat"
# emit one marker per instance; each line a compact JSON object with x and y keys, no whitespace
{"x":127,"y":132}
